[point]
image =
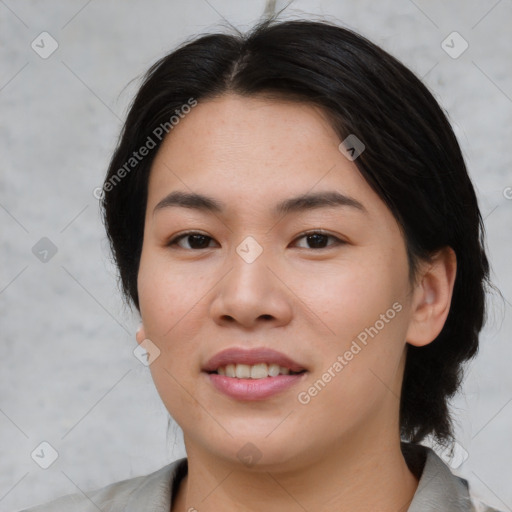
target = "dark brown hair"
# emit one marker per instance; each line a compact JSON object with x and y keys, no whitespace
{"x":412,"y":161}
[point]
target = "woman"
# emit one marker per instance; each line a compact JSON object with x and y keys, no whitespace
{"x":292,"y":217}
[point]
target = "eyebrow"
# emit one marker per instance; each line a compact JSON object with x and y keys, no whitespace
{"x":302,"y":202}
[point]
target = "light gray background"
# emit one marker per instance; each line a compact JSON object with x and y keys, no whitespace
{"x":68,"y":375}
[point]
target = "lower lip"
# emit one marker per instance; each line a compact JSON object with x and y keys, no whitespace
{"x":253,"y":389}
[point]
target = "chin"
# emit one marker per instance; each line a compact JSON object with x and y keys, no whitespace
{"x":257,"y":451}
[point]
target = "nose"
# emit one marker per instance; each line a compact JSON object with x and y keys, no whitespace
{"x":251,"y":295}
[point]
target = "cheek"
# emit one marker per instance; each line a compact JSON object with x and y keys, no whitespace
{"x":359,"y":367}
{"x":168,"y":296}
{"x":363,"y":304}
{"x":351,"y":297}
{"x":171,"y":309}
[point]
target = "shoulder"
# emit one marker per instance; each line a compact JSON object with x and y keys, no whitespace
{"x":479,"y":505}
{"x":438,"y":487}
{"x":123,"y":496}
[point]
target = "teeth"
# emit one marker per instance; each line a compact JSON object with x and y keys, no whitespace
{"x":242,"y":371}
{"x":256,"y":371}
{"x":273,"y":370}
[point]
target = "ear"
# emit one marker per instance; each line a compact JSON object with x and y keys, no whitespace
{"x":140,"y":335}
{"x":432,"y":295}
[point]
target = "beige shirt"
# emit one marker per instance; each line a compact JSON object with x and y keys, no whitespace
{"x":438,"y":489}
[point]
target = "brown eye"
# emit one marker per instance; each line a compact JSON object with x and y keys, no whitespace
{"x":193,"y":240}
{"x":318,"y":240}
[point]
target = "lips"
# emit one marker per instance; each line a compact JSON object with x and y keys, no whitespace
{"x":228,"y":371}
{"x":256,"y":356}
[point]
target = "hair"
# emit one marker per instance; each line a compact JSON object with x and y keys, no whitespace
{"x":412,"y":160}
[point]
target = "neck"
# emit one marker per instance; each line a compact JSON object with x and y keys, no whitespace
{"x":372,"y":477}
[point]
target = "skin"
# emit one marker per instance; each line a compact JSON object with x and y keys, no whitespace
{"x":340,"y":451}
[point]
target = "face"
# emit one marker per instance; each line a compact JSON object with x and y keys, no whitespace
{"x":256,"y":277}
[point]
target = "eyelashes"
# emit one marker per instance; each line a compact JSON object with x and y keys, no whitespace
{"x":199,"y":237}
{"x":199,"y":241}
{"x":318,"y":237}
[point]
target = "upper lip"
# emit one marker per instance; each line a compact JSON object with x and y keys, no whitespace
{"x":251,"y":357}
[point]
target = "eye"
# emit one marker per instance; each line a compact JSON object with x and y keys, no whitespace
{"x":318,"y":240}
{"x":193,"y":239}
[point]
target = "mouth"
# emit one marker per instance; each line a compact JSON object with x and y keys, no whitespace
{"x":255,"y":371}
{"x":255,"y":374}
{"x":256,"y":363}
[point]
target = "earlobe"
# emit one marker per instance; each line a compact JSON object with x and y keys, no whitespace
{"x":432,"y":298}
{"x":140,"y":334}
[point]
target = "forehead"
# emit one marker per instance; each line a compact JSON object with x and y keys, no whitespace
{"x":239,"y":127}
{"x":254,"y":150}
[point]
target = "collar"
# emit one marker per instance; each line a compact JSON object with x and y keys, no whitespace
{"x":438,"y":488}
